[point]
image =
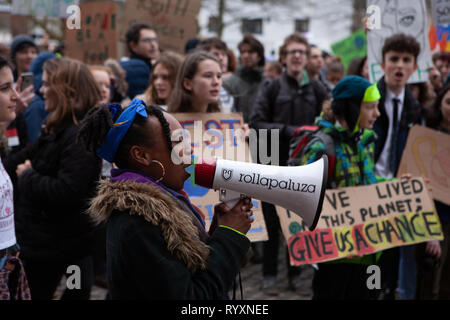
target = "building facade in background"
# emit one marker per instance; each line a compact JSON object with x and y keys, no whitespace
{"x":322,"y":22}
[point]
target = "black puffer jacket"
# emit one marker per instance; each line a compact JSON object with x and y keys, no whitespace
{"x":285,"y":105}
{"x":52,"y":197}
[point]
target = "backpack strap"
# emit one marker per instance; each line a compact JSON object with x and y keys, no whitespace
{"x":330,"y":151}
{"x":302,"y":137}
{"x":307,"y":135}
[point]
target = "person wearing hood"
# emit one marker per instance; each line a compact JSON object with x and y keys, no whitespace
{"x":35,"y":114}
{"x":349,"y":121}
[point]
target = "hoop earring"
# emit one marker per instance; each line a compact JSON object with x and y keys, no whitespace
{"x":162,"y":168}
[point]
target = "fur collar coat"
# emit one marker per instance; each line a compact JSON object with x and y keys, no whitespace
{"x":157,"y":246}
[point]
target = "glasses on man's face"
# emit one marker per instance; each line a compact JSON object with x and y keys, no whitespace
{"x":149,"y":40}
{"x":294,"y":52}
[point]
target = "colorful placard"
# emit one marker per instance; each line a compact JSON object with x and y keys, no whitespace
{"x":439,"y":32}
{"x":357,"y":221}
{"x":352,"y":47}
{"x":218,"y":135}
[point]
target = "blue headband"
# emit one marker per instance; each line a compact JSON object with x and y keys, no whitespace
{"x":115,"y":135}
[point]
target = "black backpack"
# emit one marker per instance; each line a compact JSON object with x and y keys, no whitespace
{"x":303,"y":137}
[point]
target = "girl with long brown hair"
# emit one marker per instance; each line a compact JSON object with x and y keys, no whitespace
{"x":197,"y":85}
{"x":162,"y":79}
{"x":54,"y":178}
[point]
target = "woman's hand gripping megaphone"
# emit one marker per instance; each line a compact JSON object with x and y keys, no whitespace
{"x":239,"y":218}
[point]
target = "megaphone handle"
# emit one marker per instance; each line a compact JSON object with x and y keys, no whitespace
{"x":230,"y":197}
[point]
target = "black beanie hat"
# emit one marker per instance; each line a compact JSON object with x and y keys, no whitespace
{"x":348,"y":95}
{"x":19,"y":41}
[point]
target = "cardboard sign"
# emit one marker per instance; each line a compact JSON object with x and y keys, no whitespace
{"x":352,"y":47}
{"x":356,"y":221}
{"x":218,"y":135}
{"x":174,"y":21}
{"x":400,"y":16}
{"x":96,"y":40}
{"x":427,"y":154}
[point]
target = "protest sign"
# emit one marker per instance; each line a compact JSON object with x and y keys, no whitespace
{"x":427,"y":154}
{"x":174,"y":21}
{"x":363,"y":220}
{"x":401,"y":16}
{"x":217,"y":135}
{"x":352,"y":47}
{"x":439,"y":37}
{"x":96,"y":40}
{"x":439,"y":32}
{"x":440,"y":12}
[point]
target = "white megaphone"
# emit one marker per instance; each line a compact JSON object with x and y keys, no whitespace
{"x":299,"y":189}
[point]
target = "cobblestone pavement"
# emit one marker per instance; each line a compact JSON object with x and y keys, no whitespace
{"x":251,"y":276}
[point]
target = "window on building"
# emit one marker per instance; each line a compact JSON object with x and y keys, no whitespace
{"x":212,"y":24}
{"x":252,"y":26}
{"x":302,"y":25}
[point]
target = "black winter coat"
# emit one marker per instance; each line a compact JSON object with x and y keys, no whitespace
{"x":411,"y":115}
{"x":155,"y":248}
{"x":52,"y":197}
{"x":283,"y":104}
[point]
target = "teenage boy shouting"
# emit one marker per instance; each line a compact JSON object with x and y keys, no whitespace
{"x":399,"y":111}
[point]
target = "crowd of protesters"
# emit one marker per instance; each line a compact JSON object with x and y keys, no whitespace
{"x":69,"y":147}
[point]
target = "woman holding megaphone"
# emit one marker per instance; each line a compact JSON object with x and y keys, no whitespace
{"x":157,"y":246}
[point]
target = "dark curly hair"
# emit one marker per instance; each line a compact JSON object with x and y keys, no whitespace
{"x":401,"y":43}
{"x":255,"y":45}
{"x":133,"y":33}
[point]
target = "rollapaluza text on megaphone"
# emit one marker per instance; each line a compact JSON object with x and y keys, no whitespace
{"x":299,"y":189}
